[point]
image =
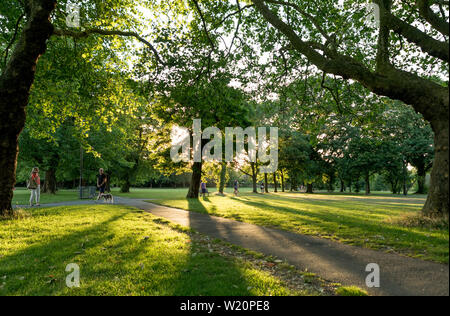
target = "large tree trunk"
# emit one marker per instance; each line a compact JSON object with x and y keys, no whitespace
{"x":196,"y":178}
{"x":309,"y":188}
{"x":50,"y":173}
{"x":254,"y":177}
{"x":125,"y":186}
{"x":15,"y":85}
{"x":330,"y":183}
{"x":394,"y":186}
{"x":108,"y":184}
{"x":421,"y":177}
{"x":437,"y":202}
{"x":223,"y":176}
{"x":405,"y":174}
{"x":266,"y":183}
{"x":367,"y":180}
{"x":275,"y":183}
{"x":50,"y":181}
{"x":342,"y":186}
{"x":283,"y":189}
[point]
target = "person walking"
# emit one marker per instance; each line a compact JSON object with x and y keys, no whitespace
{"x":102,"y":179}
{"x":204,"y":189}
{"x":34,"y":185}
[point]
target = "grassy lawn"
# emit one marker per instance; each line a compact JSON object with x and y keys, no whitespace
{"x":123,"y":251}
{"x":22,"y":196}
{"x":367,"y":221}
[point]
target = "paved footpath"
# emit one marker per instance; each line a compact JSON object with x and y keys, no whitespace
{"x":333,"y":261}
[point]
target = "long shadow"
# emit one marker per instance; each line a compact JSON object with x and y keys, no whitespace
{"x":350,"y":222}
{"x":217,"y":273}
{"x":312,"y":253}
{"x":58,"y":253}
{"x":317,"y":255}
{"x":333,"y":261}
{"x":34,"y":262}
{"x":344,"y":204}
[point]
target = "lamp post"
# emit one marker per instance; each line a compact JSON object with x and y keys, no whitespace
{"x":81,"y":172}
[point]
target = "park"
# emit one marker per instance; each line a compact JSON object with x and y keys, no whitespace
{"x":233,"y":148}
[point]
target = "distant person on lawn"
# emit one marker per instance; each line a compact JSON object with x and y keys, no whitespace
{"x":236,"y":187}
{"x":204,"y":189}
{"x":102,"y":179}
{"x":34,"y":185}
{"x":262,"y":187}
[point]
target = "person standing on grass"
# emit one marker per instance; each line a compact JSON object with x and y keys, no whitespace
{"x":102,"y":179}
{"x":204,"y":189}
{"x":34,"y":185}
{"x":236,"y":187}
{"x":262,"y":187}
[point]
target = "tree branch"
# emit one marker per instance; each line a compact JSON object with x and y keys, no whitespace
{"x":436,"y":22}
{"x":335,"y":96}
{"x":205,"y":28}
{"x":13,"y":39}
{"x":244,"y":172}
{"x":87,"y":33}
{"x":427,"y":43}
{"x":306,"y":15}
{"x":232,"y":14}
{"x":393,"y":83}
{"x":382,"y":58}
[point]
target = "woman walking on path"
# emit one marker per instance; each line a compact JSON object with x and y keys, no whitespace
{"x":34,"y":185}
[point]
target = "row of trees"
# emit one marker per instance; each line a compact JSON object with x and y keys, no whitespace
{"x":315,"y":67}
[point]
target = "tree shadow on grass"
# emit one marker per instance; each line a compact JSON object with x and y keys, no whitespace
{"x":218,"y":279}
{"x":350,"y":222}
{"x":311,"y":253}
{"x":110,"y":266}
{"x":33,"y":267}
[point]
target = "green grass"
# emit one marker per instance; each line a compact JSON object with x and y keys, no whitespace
{"x":351,"y":291}
{"x":122,"y":251}
{"x":22,"y":196}
{"x":367,"y":221}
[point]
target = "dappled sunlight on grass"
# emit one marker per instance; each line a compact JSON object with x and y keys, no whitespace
{"x":120,"y":251}
{"x":367,"y":221}
{"x":22,"y":196}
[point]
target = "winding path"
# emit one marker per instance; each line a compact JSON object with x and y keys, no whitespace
{"x":333,"y":261}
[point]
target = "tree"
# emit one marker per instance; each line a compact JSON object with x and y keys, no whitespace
{"x":299,"y":159}
{"x":332,"y":46}
{"x":414,"y":139}
{"x":213,"y":101}
{"x":15,"y":83}
{"x":30,"y":32}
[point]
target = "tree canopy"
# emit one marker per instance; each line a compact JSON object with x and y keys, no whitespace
{"x":352,"y":97}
